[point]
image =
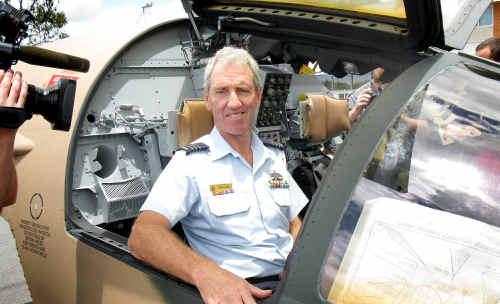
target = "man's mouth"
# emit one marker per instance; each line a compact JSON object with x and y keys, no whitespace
{"x":235,"y":115}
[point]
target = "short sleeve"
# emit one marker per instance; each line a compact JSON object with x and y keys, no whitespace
{"x":298,"y":198}
{"x":352,"y":100}
{"x":174,"y":192}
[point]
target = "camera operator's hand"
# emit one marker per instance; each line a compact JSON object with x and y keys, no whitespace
{"x":13,"y":92}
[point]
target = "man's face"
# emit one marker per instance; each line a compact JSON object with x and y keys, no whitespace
{"x":376,"y":82}
{"x":233,"y":99}
{"x":484,"y":52}
{"x":377,"y":74}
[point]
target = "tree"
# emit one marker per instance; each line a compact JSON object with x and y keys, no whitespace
{"x":48,"y":21}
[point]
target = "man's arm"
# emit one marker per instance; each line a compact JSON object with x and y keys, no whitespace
{"x":414,"y":123}
{"x":153,"y":241}
{"x":362,"y":101}
{"x":294,"y":227}
{"x":13,"y":92}
{"x":8,"y":180}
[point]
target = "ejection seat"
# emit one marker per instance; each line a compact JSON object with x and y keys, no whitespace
{"x":323,"y":118}
{"x":193,"y":121}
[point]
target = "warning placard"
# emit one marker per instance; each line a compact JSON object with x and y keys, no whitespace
{"x":34,"y":237}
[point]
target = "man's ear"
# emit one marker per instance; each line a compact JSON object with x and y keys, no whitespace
{"x":259,"y":97}
{"x":208,"y":104}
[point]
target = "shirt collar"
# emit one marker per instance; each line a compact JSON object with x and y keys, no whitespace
{"x":260,"y":153}
{"x":220,"y":148}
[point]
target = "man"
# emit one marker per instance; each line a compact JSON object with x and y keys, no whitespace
{"x":489,"y":49}
{"x":13,"y":92}
{"x":13,"y":287}
{"x":234,"y":197}
{"x":361,"y":98}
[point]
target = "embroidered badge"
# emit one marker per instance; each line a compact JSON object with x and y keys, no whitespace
{"x":221,"y":189}
{"x":277,"y":181}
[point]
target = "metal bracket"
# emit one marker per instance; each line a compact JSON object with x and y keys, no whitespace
{"x":188,"y":7}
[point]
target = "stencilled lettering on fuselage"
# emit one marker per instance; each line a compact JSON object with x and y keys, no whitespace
{"x":34,"y":237}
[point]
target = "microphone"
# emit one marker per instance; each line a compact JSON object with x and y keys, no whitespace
{"x":44,"y":57}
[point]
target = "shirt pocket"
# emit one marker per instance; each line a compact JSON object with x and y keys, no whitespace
{"x":281,"y":197}
{"x":282,"y":200}
{"x":228,"y":204}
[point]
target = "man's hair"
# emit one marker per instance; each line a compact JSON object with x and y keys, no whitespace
{"x":377,"y":73}
{"x":228,"y":55}
{"x":494,"y":45}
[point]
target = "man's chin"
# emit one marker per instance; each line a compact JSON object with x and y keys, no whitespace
{"x":237,"y":132}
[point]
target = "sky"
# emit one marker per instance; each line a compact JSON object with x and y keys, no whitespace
{"x":116,"y":17}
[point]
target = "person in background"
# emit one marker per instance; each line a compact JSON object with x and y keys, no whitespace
{"x":13,"y":92}
{"x":13,"y":286}
{"x":361,"y":98}
{"x":489,"y":49}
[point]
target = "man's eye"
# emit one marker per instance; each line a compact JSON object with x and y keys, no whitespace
{"x":244,"y":91}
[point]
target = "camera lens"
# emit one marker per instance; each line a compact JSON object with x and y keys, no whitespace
{"x":54,"y":103}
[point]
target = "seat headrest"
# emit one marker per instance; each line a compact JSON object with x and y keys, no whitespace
{"x":193,"y":121}
{"x":324,"y":117}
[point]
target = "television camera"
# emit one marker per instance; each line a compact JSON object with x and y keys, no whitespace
{"x":54,"y":103}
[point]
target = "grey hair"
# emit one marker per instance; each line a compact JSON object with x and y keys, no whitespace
{"x":232,"y":55}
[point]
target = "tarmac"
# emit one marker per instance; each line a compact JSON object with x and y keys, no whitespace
{"x":13,"y":286}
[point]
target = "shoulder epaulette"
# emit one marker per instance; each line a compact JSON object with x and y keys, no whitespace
{"x":195,"y":147}
{"x":273,"y":144}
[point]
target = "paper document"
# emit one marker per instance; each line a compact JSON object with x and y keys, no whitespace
{"x":401,"y":252}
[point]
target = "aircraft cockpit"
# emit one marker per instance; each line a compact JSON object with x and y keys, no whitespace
{"x":437,"y":160}
{"x":131,"y":126}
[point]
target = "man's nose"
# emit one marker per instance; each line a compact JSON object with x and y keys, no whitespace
{"x":234,"y":100}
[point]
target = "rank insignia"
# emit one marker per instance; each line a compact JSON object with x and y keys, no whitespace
{"x":277,"y":181}
{"x":221,"y":189}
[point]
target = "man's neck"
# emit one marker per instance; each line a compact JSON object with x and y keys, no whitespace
{"x":241,"y":144}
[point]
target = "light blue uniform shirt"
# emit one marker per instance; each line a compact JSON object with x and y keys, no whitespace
{"x":246,"y":231}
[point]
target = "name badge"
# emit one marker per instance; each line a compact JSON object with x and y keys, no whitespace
{"x":221,"y":189}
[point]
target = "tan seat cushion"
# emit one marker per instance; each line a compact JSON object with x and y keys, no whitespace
{"x":193,"y":121}
{"x":325,"y":117}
